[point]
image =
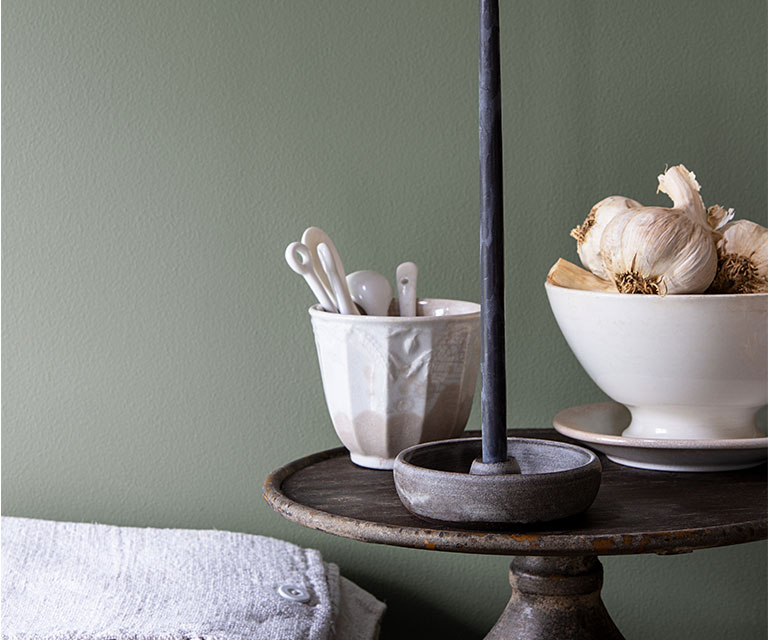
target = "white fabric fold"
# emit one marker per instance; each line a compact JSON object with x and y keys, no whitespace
{"x":80,"y":581}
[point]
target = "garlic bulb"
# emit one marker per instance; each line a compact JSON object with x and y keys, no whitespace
{"x":742,"y":264}
{"x":588,"y":233}
{"x":659,"y":251}
{"x":662,"y":251}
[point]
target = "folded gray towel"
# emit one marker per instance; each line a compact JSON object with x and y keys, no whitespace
{"x":77,"y":581}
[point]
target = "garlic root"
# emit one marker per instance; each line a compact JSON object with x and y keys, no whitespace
{"x":571,"y":276}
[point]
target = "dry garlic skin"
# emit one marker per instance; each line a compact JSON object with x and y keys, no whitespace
{"x":683,"y":189}
{"x":742,"y":259}
{"x":588,"y":233}
{"x":718,"y":216}
{"x":570,"y":276}
{"x":660,"y":251}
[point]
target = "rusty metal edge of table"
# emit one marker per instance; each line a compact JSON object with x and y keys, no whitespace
{"x":500,"y":543}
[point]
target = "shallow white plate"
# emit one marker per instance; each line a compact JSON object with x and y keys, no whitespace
{"x":600,"y":425}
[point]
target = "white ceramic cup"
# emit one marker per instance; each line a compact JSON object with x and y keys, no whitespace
{"x":393,"y":382}
{"x":688,"y":367}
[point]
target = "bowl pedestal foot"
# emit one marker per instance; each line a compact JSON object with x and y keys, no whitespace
{"x":555,"y":597}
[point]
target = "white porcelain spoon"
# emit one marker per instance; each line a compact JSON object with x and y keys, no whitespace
{"x":335,"y":274}
{"x":300,"y":260}
{"x":407,"y":275}
{"x":371,"y":291}
{"x":312,"y":237}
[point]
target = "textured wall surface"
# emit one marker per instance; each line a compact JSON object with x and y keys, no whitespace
{"x":160,"y":154}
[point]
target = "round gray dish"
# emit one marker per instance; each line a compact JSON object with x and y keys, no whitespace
{"x":556,"y":480}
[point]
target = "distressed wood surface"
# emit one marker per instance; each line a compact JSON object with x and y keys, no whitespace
{"x":636,"y":511}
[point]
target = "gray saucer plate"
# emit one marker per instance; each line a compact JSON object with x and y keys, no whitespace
{"x":600,"y":425}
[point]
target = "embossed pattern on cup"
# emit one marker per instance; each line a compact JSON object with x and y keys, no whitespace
{"x":393,"y":382}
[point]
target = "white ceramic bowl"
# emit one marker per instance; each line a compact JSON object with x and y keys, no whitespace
{"x":686,"y":366}
{"x":392,"y":382}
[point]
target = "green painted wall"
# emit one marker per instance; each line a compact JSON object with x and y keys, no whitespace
{"x":160,"y":154}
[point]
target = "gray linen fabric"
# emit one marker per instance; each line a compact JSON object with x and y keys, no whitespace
{"x":359,"y":613}
{"x":77,"y":581}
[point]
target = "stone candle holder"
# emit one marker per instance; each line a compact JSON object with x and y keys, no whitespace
{"x":439,"y":482}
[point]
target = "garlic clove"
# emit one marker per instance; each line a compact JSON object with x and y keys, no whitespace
{"x":653,"y":250}
{"x":742,"y":259}
{"x":571,"y":276}
{"x":683,"y":189}
{"x":588,"y":233}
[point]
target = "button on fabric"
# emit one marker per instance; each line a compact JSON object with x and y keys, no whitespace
{"x":292,"y":592}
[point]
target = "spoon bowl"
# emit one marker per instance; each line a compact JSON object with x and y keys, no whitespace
{"x":371,"y":291}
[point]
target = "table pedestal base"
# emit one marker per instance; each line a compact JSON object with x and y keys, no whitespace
{"x":555,"y":597}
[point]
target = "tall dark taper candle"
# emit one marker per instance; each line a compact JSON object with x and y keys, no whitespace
{"x":494,"y":387}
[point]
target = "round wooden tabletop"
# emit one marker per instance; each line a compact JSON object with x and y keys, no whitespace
{"x":636,"y":511}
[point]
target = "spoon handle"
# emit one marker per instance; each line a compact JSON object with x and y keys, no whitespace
{"x":338,"y":282}
{"x":312,"y":237}
{"x":407,"y":275}
{"x":299,"y":259}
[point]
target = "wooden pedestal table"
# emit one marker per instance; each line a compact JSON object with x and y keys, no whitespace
{"x":556,"y":577}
